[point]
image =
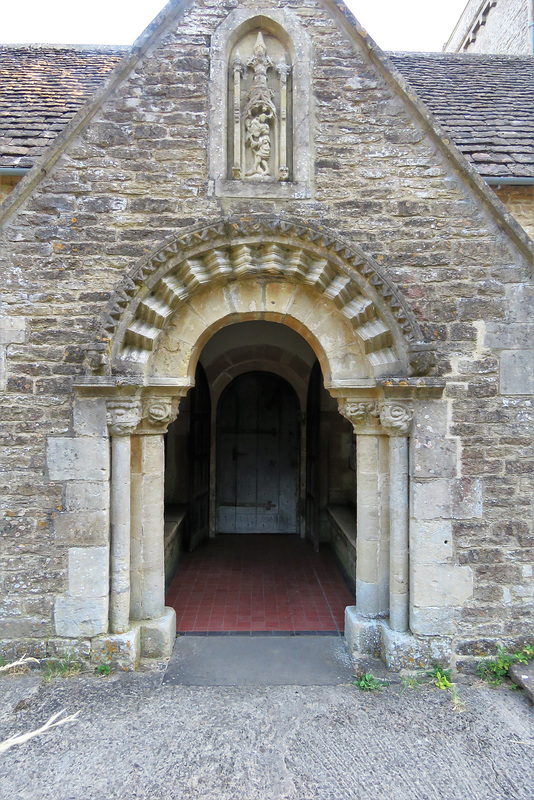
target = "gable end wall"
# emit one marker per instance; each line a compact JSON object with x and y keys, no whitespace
{"x":138,"y":175}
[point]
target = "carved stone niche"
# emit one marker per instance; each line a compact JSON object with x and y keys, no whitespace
{"x":260,"y":117}
{"x":260,"y":106}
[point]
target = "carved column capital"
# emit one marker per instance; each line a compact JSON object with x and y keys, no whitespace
{"x":158,"y":413}
{"x":123,"y":415}
{"x":396,"y":418}
{"x":358,"y":412}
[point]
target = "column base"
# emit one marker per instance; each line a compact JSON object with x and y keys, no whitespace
{"x":397,"y":650}
{"x":117,"y":650}
{"x":158,"y":635}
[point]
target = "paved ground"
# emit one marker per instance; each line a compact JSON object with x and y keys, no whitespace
{"x":259,"y":661}
{"x":138,"y":736}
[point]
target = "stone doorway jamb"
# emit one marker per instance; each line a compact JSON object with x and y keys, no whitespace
{"x":136,"y":418}
{"x":382,"y":419}
{"x":156,"y":622}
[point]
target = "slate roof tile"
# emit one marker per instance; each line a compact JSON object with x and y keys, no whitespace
{"x":41,"y":88}
{"x":484,"y":102}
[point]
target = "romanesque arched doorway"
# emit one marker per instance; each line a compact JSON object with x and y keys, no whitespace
{"x":255,"y":383}
{"x":372,"y":359}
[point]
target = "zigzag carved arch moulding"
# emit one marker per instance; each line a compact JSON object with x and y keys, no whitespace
{"x":256,"y":248}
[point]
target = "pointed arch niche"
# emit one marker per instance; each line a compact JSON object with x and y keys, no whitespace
{"x":260,"y":106}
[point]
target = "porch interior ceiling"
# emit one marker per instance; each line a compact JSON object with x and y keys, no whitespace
{"x":257,"y":346}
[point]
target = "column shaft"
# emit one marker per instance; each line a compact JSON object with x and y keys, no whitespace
{"x":148,"y":557}
{"x":372,"y":512}
{"x":119,"y":606}
{"x":399,"y":529}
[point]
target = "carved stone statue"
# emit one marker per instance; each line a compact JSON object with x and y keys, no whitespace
{"x":259,"y":113}
{"x":258,"y":138}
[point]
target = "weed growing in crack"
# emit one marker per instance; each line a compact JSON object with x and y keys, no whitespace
{"x":366,"y":682}
{"x":411,"y":682}
{"x":495,"y":670}
{"x":440,"y":677}
{"x":65,"y":667}
{"x":457,"y":703}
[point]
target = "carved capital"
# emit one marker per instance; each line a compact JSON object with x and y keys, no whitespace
{"x":396,"y":418}
{"x":159,"y":412}
{"x":123,"y":416}
{"x":358,"y":412}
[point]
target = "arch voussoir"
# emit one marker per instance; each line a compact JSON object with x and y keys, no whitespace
{"x":260,"y":249}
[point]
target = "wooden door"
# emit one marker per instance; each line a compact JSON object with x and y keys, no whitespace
{"x":258,"y":456}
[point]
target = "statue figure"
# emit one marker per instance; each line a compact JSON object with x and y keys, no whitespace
{"x":260,"y":112}
{"x":258,"y":138}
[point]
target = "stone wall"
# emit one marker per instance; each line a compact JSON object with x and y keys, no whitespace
{"x":519,"y":200}
{"x":492,"y":27}
{"x":137,"y":175}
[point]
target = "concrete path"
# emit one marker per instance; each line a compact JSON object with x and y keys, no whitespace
{"x":140,"y":738}
{"x":259,"y":661}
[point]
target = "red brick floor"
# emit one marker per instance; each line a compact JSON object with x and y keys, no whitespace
{"x":253,"y":583}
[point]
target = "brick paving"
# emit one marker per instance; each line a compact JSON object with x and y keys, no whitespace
{"x":258,"y":583}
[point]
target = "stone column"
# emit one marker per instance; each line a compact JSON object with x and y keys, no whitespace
{"x":158,"y":624}
{"x":372,"y":509}
{"x":123,"y":416}
{"x":396,"y":419}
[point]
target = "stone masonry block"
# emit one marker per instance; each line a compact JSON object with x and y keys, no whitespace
{"x":509,"y":336}
{"x":119,"y":650}
{"x":430,"y":541}
{"x":517,"y":372}
{"x":90,"y":416}
{"x":12,"y":330}
{"x":440,"y":585}
{"x":86,"y":496}
{"x":82,"y":528}
{"x":433,"y":455}
{"x":521,"y":298}
{"x":24,"y":628}
{"x":79,"y":649}
{"x":431,"y":499}
{"x":81,"y":616}
{"x":71,"y":459}
{"x":432,"y":621}
{"x":88,"y":572}
{"x":3,"y":371}
{"x":158,"y":635}
{"x":466,"y":498}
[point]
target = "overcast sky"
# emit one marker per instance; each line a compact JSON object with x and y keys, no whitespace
{"x":408,"y":25}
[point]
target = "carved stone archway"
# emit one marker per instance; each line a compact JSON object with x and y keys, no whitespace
{"x":253,"y":249}
{"x":372,"y":354}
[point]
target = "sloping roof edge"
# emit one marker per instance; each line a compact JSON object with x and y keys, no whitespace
{"x":353,"y":29}
{"x":466,"y":21}
{"x":82,"y":118}
{"x":422,"y":113}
